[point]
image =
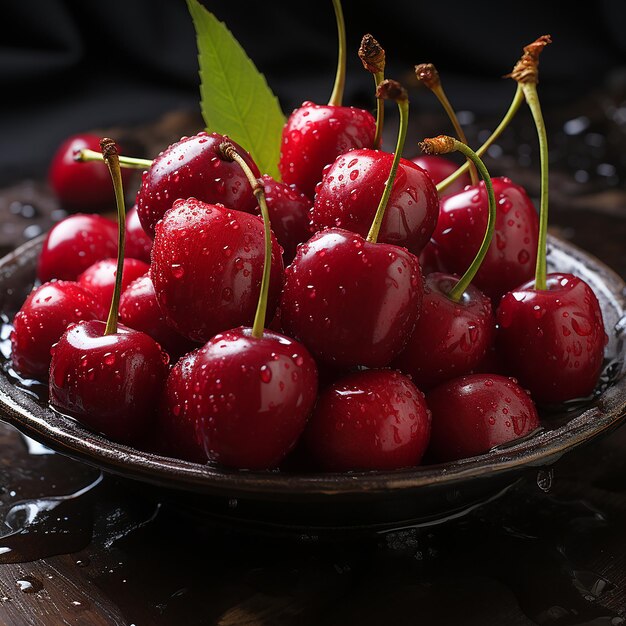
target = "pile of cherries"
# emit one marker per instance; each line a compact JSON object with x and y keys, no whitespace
{"x":399,"y":322}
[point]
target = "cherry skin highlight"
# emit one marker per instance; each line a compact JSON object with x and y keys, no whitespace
{"x":351,"y":302}
{"x":315,"y":135}
{"x":352,"y":186}
{"x":46,"y":313}
{"x":474,"y":413}
{"x":194,"y":167}
{"x":99,"y":278}
{"x":450,"y":338}
{"x":74,"y":244}
{"x":553,"y":340}
{"x":138,"y":242}
{"x":372,"y":420}
{"x":460,"y":229}
{"x":82,"y":186}
{"x":251,"y":397}
{"x":207,"y":264}
{"x":439,"y":168}
{"x":109,"y":383}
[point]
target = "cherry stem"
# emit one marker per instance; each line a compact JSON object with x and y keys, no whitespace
{"x":229,"y":153}
{"x":428,"y":75}
{"x":391,"y":90}
{"x":532,"y":99}
{"x":86,"y":155}
{"x":443,"y":145}
{"x":336,"y":97}
{"x":518,"y":98}
{"x":111,"y":158}
{"x":372,"y":56}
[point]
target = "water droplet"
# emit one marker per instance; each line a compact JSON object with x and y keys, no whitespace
{"x":265,"y":373}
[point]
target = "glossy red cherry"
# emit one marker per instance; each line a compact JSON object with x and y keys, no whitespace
{"x":439,"y":168}
{"x":474,"y":413}
{"x":553,"y":340}
{"x":194,"y":168}
{"x":289,"y":215}
{"x":138,"y":242}
{"x":430,"y":259}
{"x":99,"y":278}
{"x":81,"y":186}
{"x":207,"y":263}
{"x":74,"y":244}
{"x":511,"y":258}
{"x":351,"y":302}
{"x":373,"y":420}
{"x":110,"y":383}
{"x":450,"y":338}
{"x":351,"y":188}
{"x":43,"y":318}
{"x":140,"y":310}
{"x":251,"y":397}
{"x":315,"y":135}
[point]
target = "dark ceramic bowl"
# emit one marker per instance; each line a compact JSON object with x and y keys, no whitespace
{"x":314,"y":503}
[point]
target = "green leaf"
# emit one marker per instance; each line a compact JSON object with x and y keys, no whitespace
{"x":235,"y":97}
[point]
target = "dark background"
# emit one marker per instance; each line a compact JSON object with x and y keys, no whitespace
{"x":68,"y":66}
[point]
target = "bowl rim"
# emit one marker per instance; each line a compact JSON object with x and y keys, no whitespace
{"x":64,"y":435}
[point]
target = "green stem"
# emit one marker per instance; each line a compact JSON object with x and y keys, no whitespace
{"x":403,"y":106}
{"x":112,"y":161}
{"x":510,"y":114}
{"x":336,"y":97}
{"x":532,"y":99}
{"x":380,"y":112}
{"x":86,"y":155}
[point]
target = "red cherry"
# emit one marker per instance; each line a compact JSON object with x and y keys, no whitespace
{"x":250,"y":397}
{"x":510,"y":260}
{"x":138,"y":242}
{"x":289,"y":215}
{"x":315,"y":135}
{"x":351,"y":302}
{"x":439,"y":168}
{"x":373,"y":420}
{"x":474,"y":413}
{"x":430,"y":259}
{"x":74,"y":244}
{"x":193,"y":167}
{"x":207,"y":264}
{"x":43,"y":318}
{"x":99,"y":278}
{"x":139,"y":309}
{"x":450,"y":338}
{"x":109,"y":383}
{"x":553,"y":340}
{"x":82,"y":186}
{"x":350,"y":190}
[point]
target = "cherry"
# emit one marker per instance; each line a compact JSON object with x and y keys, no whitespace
{"x":553,"y":339}
{"x":315,"y":134}
{"x":372,"y":420}
{"x":439,"y":168}
{"x":256,"y":428}
{"x":99,"y":278}
{"x":106,"y":375}
{"x":430,"y":259}
{"x":189,"y":168}
{"x":74,"y":244}
{"x":207,"y":267}
{"x":344,"y":199}
{"x":474,"y":413}
{"x":139,"y":309}
{"x":138,"y":242}
{"x":551,"y":329}
{"x":461,"y":227}
{"x":289,"y":215}
{"x":43,"y":318}
{"x":81,"y":186}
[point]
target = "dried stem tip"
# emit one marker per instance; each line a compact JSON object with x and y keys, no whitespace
{"x":427,"y":74}
{"x":526,"y":70}
{"x":108,"y":147}
{"x":372,"y":55}
{"x":227,"y":151}
{"x":391,"y":90}
{"x":441,"y":144}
